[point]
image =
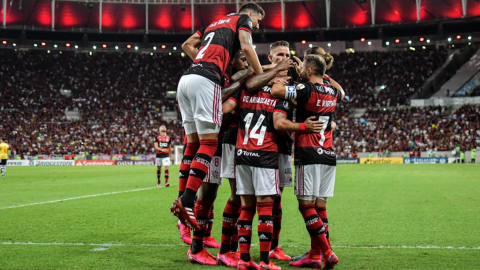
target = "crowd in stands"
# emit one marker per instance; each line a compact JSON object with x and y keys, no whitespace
{"x":122,"y":96}
{"x":408,"y":129}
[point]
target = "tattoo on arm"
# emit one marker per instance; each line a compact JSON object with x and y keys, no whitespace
{"x":237,"y":76}
{"x":278,"y":116}
{"x":230,"y":90}
{"x":247,"y":39}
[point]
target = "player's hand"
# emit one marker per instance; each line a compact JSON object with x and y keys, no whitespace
{"x":284,"y":64}
{"x":313,"y":126}
{"x":298,"y":64}
{"x":282,"y":80}
{"x":268,"y":67}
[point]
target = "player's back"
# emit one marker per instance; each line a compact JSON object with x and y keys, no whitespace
{"x":219,"y":44}
{"x":256,"y":141}
{"x":318,"y":100}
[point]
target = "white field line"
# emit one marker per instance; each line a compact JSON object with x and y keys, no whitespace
{"x":76,"y":198}
{"x":108,"y":245}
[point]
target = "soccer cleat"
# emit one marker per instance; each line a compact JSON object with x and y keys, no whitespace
{"x":202,"y":257}
{"x":237,"y":255}
{"x":243,"y":265}
{"x":330,"y":262}
{"x":211,"y":242}
{"x":307,"y":262}
{"x":185,"y":233}
{"x":228,"y":259}
{"x":277,"y":253}
{"x":270,"y":266}
{"x":297,"y":258}
{"x":159,"y":185}
{"x":185,"y":215}
{"x":167,"y":184}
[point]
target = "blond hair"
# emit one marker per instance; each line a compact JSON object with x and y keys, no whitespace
{"x":320,"y":51}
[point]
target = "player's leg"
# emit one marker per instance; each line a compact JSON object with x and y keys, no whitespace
{"x":207,"y":121}
{"x":327,"y":186}
{"x":3,"y":167}
{"x":210,"y":193}
{"x":307,"y":187}
{"x":266,"y":183}
{"x":285,"y":178}
{"x":203,"y":206}
{"x":228,"y":254}
{"x":159,"y":171}
{"x":166,"y":163}
{"x":246,"y":190}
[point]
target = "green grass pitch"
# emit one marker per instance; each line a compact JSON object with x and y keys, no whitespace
{"x":382,"y":217}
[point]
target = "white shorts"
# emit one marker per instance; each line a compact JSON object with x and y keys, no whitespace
{"x":285,"y":170}
{"x":256,"y":181}
{"x":213,"y":175}
{"x":228,"y":161}
{"x":314,"y":181}
{"x":200,"y":100}
{"x":162,"y":161}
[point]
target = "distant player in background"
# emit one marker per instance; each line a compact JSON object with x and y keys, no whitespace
{"x":3,"y":156}
{"x":164,"y":154}
{"x":199,"y":94}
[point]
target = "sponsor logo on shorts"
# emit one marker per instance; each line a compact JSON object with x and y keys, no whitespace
{"x":241,"y":152}
{"x":322,"y":151}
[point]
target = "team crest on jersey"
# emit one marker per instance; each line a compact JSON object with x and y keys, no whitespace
{"x":286,"y":105}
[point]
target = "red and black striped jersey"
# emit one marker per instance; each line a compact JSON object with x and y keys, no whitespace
{"x":318,"y":100}
{"x":285,"y":139}
{"x":219,"y":44}
{"x":164,"y":143}
{"x":256,"y":139}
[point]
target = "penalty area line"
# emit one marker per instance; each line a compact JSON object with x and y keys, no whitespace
{"x":76,"y":198}
{"x":108,"y":245}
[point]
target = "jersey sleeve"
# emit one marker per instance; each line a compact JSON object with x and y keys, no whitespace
{"x":304,"y":91}
{"x":245,"y":23}
{"x":155,"y":140}
{"x":236,"y":96}
{"x":338,"y":94}
{"x":201,"y":31}
{"x":284,"y":106}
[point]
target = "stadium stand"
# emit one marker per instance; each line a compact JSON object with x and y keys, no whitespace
{"x":123,"y":95}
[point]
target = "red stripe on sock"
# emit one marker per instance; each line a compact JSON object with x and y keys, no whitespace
{"x":207,"y":150}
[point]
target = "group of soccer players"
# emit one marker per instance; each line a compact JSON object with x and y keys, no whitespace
{"x":239,"y":122}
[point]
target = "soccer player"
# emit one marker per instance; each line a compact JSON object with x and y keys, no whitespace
{"x":164,"y":154}
{"x":315,"y":159}
{"x":199,"y":94}
{"x":256,"y":168}
{"x":208,"y":191}
{"x":3,"y":156}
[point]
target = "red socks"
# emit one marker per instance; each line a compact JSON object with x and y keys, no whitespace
{"x":202,"y":210}
{"x":245,"y":231}
{"x":316,"y":230}
{"x":229,"y":223}
{"x":200,"y":167}
{"x":322,"y":213}
{"x":277,"y":221}
{"x":208,"y":231}
{"x":166,"y":176}
{"x":190,"y":152}
{"x":265,"y":229}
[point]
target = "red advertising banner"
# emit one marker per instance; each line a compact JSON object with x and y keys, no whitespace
{"x":94,"y":162}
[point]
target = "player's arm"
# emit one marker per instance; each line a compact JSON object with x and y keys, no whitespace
{"x":190,"y":46}
{"x":255,"y":82}
{"x":281,"y":123}
{"x":246,"y":44}
{"x":229,"y":105}
{"x":280,"y":90}
{"x":333,"y":125}
{"x":238,"y":78}
{"x":337,"y":85}
{"x":156,"y":146}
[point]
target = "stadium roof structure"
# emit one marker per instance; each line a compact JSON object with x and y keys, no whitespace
{"x":184,"y":16}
